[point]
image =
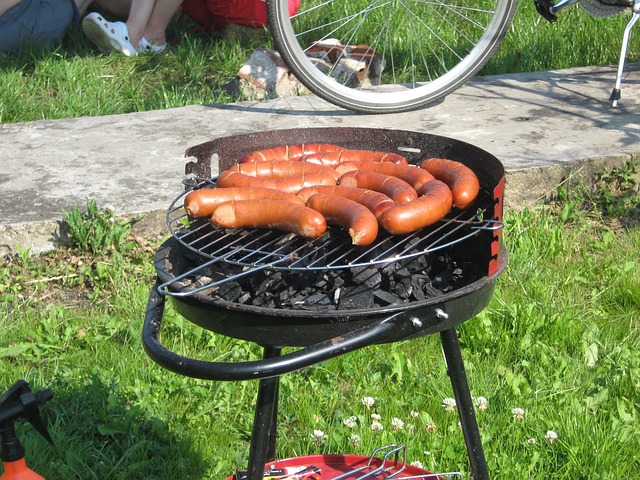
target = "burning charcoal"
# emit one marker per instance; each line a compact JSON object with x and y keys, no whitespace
{"x":229,"y":291}
{"x":417,"y":264}
{"x":244,"y":298}
{"x":418,"y":294}
{"x":335,"y":280}
{"x":316,"y":301}
{"x":403,"y":288}
{"x":371,"y":277}
{"x":359,"y":297}
{"x":262,"y":282}
{"x":385,"y":298}
{"x":430,"y":290}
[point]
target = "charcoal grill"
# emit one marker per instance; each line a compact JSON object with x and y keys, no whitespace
{"x":200,"y":265}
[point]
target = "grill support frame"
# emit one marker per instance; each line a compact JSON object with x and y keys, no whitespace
{"x":273,"y":365}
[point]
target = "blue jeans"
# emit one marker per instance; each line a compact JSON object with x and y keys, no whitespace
{"x":36,"y":22}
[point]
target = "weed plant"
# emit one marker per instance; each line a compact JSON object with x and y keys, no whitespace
{"x":72,"y":79}
{"x":553,"y":364}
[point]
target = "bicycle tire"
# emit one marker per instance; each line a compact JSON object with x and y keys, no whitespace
{"x":430,"y":48}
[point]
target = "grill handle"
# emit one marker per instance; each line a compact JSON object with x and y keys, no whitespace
{"x":395,"y":327}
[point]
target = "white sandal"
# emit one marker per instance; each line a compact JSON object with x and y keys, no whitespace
{"x":108,"y":36}
{"x":146,"y":47}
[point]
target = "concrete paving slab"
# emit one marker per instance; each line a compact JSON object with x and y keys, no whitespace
{"x":543,"y":126}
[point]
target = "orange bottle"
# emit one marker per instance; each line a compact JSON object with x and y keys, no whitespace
{"x":18,"y":470}
{"x":18,"y":402}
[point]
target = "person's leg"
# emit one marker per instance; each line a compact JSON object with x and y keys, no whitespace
{"x":83,"y":5}
{"x":117,"y":8}
{"x":35,"y":22}
{"x":156,"y":27}
{"x":139,"y":15}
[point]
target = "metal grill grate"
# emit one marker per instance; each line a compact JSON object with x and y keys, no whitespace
{"x":257,"y":249}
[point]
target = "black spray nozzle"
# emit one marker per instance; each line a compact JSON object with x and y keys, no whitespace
{"x":18,"y":402}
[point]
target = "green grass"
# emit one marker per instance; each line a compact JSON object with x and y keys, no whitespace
{"x":559,"y":340}
{"x":72,"y":79}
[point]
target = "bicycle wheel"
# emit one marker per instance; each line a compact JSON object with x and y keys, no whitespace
{"x":411,"y":52}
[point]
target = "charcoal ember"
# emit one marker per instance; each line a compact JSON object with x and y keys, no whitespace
{"x":244,"y":298}
{"x":311,"y":301}
{"x":431,"y":291}
{"x":368,"y":276}
{"x":416,"y":264}
{"x":229,"y":291}
{"x":384,"y":298}
{"x":357,"y":297}
{"x":404,"y":288}
{"x":263,"y":282}
{"x":262,"y":301}
{"x":335,"y":280}
{"x":419,"y":281}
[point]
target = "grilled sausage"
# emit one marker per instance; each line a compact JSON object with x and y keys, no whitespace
{"x":362,"y":224}
{"x":332,"y":159}
{"x":201,"y":203}
{"x":285,"y":184}
{"x":376,"y":202}
{"x":414,"y":176}
{"x":276,"y":214}
{"x":289,"y":152}
{"x":281,"y":168}
{"x":462,"y":181}
{"x":398,"y":190}
{"x":433,"y":205}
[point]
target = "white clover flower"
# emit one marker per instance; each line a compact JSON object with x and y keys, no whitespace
{"x":482,"y":404}
{"x":449,"y":404}
{"x":376,"y":416}
{"x":350,"y":421}
{"x":518,"y":413}
{"x":396,"y":424}
{"x":368,"y":402}
{"x":531,"y":441}
{"x":414,"y":414}
{"x":418,"y":464}
{"x":354,"y":439}
{"x":427,"y":453}
{"x":318,"y":437}
{"x":551,"y":436}
{"x":376,"y":426}
{"x":430,"y":427}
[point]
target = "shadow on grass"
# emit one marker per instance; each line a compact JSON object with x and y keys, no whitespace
{"x":100,"y":433}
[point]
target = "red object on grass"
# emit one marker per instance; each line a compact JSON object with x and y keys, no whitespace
{"x":332,"y":466}
{"x":215,"y":14}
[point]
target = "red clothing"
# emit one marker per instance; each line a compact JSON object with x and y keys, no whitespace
{"x":214,"y":14}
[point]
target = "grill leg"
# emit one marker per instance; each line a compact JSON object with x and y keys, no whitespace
{"x":455,"y":367}
{"x":263,"y":438}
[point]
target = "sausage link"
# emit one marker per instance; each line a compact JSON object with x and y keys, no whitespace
{"x":275,"y":214}
{"x":285,"y":184}
{"x":362,"y":224}
{"x":376,"y":202}
{"x":201,"y":203}
{"x":289,"y":152}
{"x":462,"y":181}
{"x":331,"y":159}
{"x":433,"y":205}
{"x":281,"y":168}
{"x":398,"y":190}
{"x":414,"y":176}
